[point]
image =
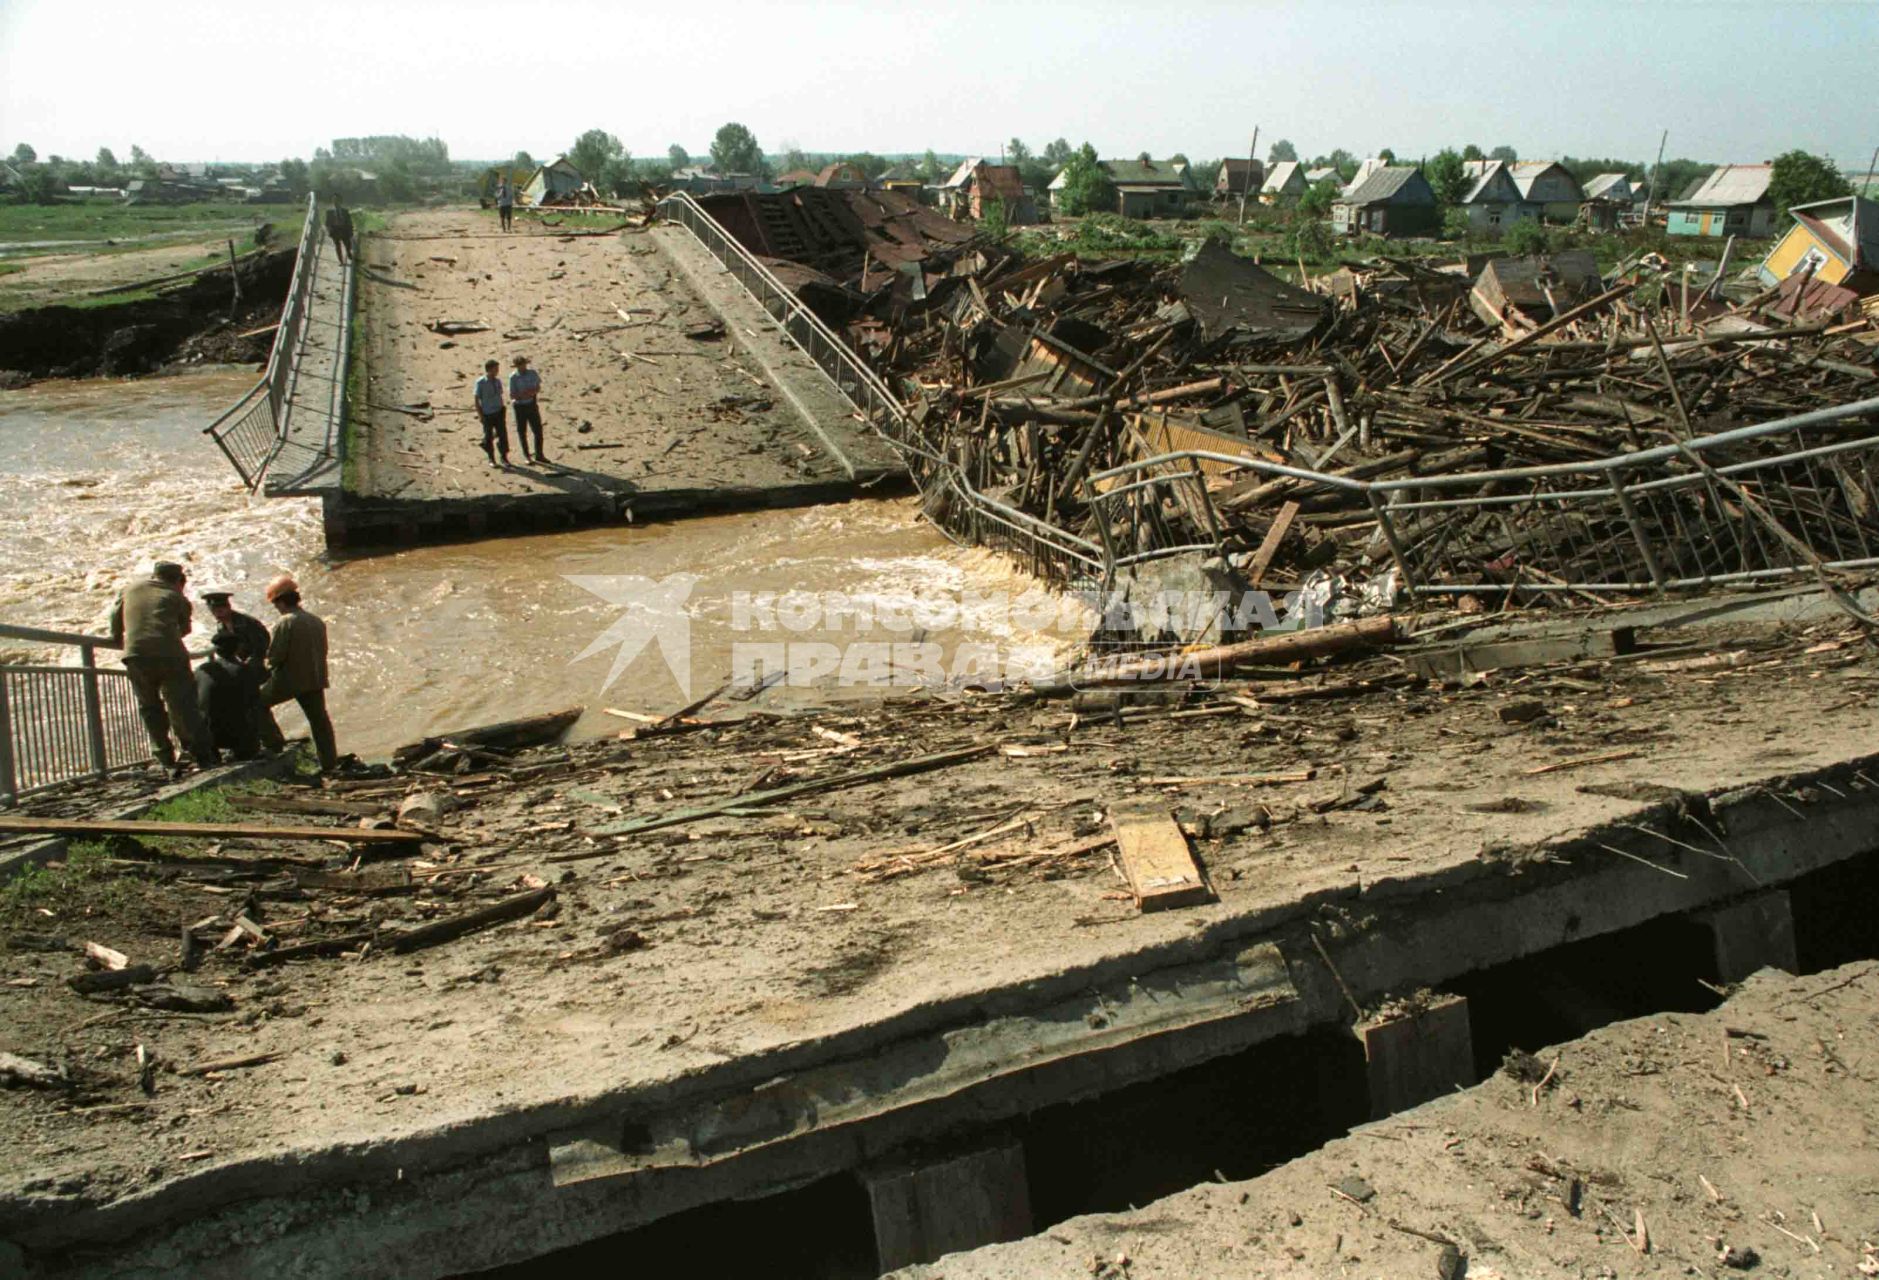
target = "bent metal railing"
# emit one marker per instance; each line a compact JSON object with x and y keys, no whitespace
{"x":1675,"y":517}
{"x":1050,"y":551}
{"x":250,"y":432}
{"x":59,"y":723}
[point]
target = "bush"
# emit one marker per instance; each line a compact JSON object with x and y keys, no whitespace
{"x":1525,"y":238}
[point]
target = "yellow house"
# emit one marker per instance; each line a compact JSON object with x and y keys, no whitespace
{"x":1834,"y":242}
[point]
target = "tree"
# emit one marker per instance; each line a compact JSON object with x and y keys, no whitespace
{"x":871,"y":165}
{"x":1446,"y":174}
{"x":24,"y":154}
{"x":1472,"y":152}
{"x":592,"y":152}
{"x":1282,"y":150}
{"x":1317,"y":201}
{"x":1057,"y":153}
{"x":1343,"y":161}
{"x":1504,"y":153}
{"x":930,"y":167}
{"x":616,"y":174}
{"x":1086,"y":187}
{"x":1800,"y":178}
{"x":106,"y":161}
{"x":678,"y":156}
{"x":38,"y":184}
{"x":141,"y":163}
{"x":735,"y":150}
{"x":294,"y":174}
{"x":1017,"y":153}
{"x":1386,"y":155}
{"x":522,"y":163}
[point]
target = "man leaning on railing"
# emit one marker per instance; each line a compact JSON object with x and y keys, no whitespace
{"x":150,"y":620}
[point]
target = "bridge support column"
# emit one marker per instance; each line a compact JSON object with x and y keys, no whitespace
{"x":954,"y":1202}
{"x":1754,"y":933}
{"x":1415,"y":1057}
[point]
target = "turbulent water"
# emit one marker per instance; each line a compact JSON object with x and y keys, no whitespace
{"x":98,"y":479}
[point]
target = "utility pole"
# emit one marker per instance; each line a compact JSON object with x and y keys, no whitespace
{"x":1651,"y":198}
{"x":1871,"y":166}
{"x":1252,"y":158}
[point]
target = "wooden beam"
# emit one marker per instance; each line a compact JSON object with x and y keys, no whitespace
{"x":1161,"y":869}
{"x":205,"y":830}
{"x":1262,"y":558}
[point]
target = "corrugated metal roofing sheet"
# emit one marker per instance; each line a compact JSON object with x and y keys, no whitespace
{"x":1732,"y":184}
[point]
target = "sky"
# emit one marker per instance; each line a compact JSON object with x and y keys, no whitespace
{"x":1732,"y":80}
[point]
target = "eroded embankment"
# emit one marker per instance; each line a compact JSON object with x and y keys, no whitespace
{"x":197,"y":321}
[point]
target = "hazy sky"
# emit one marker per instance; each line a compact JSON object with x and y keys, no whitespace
{"x":258,"y":79}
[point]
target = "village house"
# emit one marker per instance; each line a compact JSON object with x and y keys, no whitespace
{"x":556,"y":180}
{"x":1493,"y":200}
{"x":842,"y":175}
{"x":1550,"y":187}
{"x":1828,"y":259}
{"x":1609,"y":199}
{"x":1395,"y":200}
{"x":1145,"y":188}
{"x":1230,"y":183}
{"x":974,"y":185}
{"x":904,"y":178}
{"x":1286,"y":184}
{"x":1322,"y":174}
{"x":796,"y":178}
{"x":1732,"y":201}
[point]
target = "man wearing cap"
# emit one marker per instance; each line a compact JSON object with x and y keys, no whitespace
{"x":228,"y":692}
{"x":150,"y":620}
{"x":525,"y":385}
{"x":489,"y":408}
{"x":252,"y":641}
{"x":296,"y":661}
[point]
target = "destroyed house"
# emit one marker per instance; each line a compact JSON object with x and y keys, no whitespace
{"x":975,"y":185}
{"x":1237,"y":177}
{"x":1829,"y":258}
{"x":1523,"y":293}
{"x":551,"y":183}
{"x":1609,"y":198}
{"x":1395,"y":200}
{"x":1732,"y":201}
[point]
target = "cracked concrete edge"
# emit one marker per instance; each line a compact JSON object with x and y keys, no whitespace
{"x":300,"y":1171}
{"x":810,"y":392}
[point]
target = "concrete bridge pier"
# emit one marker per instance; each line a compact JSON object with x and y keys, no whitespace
{"x":1414,"y":1057}
{"x":1756,"y":932}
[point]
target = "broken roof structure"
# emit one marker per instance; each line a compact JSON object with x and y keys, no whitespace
{"x":1829,"y":258}
{"x":1235,"y":301}
{"x":1519,"y":294}
{"x":1610,"y":186}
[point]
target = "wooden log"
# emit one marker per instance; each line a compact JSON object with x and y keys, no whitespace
{"x":202,"y":830}
{"x":529,"y":731}
{"x":427,"y":935}
{"x":1291,"y":646}
{"x":307,"y":950}
{"x":1160,"y":867}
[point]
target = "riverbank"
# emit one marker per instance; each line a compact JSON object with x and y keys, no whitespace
{"x":196,"y":321}
{"x":696,"y":985}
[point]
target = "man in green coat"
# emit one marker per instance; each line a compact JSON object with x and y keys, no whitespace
{"x":150,"y":620}
{"x":296,"y":662}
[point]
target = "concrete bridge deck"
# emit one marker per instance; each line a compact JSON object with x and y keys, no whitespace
{"x":656,"y":401}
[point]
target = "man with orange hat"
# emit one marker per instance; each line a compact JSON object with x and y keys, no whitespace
{"x":296,"y":660}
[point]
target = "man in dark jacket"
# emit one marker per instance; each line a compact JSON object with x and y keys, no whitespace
{"x":296,"y":662}
{"x":252,"y":645}
{"x":339,"y":226}
{"x":229,"y":694}
{"x":150,"y":620}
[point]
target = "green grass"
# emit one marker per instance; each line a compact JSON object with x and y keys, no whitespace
{"x":84,"y":882}
{"x":116,"y":220}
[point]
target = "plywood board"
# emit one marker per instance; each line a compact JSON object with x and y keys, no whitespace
{"x":1155,"y":857}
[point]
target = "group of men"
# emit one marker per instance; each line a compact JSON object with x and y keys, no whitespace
{"x":226,"y":704}
{"x":525,"y":388}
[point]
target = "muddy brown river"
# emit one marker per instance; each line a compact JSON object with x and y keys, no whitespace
{"x":100,"y":478}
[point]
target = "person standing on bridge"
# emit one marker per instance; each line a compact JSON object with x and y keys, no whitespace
{"x":525,"y":388}
{"x":251,"y":648}
{"x":490,"y":408}
{"x":339,"y":226}
{"x":296,"y":662}
{"x":150,"y":620}
{"x":505,"y":202}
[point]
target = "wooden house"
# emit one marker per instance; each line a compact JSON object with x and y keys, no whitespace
{"x":1395,"y":200}
{"x":1492,"y":200}
{"x":1231,"y":182}
{"x":1732,"y":201}
{"x":1549,"y":187}
{"x":551,"y":182}
{"x":1285,"y":184}
{"x":1832,"y":241}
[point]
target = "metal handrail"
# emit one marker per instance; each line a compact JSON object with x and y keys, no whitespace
{"x":59,"y":724}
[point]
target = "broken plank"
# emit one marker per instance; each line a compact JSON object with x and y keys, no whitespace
{"x":203,"y":830}
{"x":1262,"y":558}
{"x":426,"y":935}
{"x":228,"y":1064}
{"x":1159,"y":865}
